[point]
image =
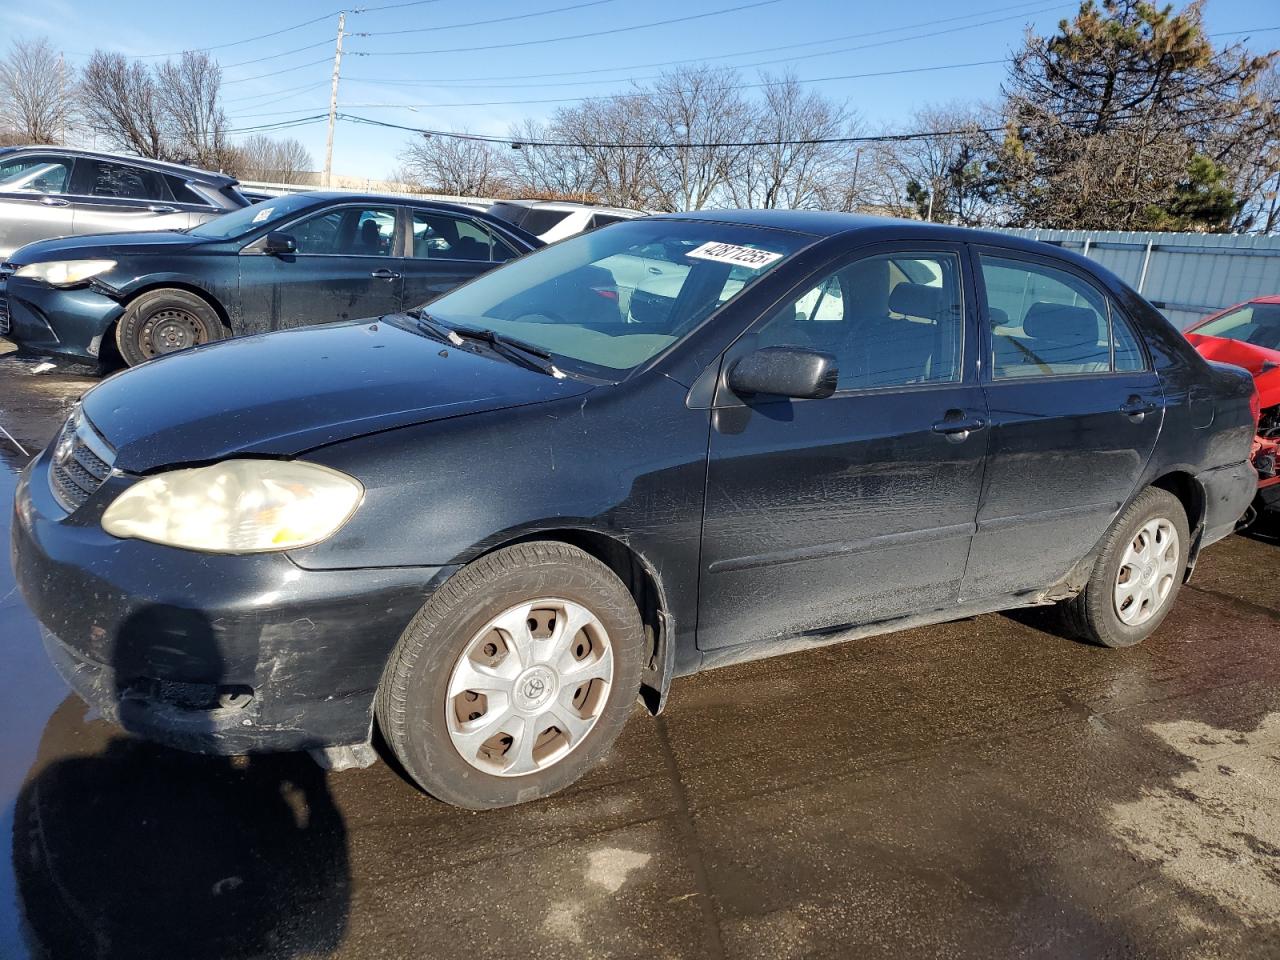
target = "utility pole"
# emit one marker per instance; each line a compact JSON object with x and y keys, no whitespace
{"x":333,"y":102}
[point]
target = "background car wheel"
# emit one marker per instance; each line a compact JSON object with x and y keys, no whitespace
{"x":1138,"y":574}
{"x":165,"y":321}
{"x":514,"y":678}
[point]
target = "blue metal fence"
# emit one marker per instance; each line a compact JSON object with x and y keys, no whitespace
{"x":1186,"y":275}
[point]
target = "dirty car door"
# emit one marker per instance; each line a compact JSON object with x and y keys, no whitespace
{"x":346,"y":266}
{"x":1075,"y":412}
{"x":822,"y":514}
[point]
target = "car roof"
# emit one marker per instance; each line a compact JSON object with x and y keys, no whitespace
{"x":191,"y":173}
{"x":1273,"y":298}
{"x":870,"y":228}
{"x":571,"y":205}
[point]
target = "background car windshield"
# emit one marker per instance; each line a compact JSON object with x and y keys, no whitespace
{"x":1257,"y":323}
{"x":247,"y":219}
{"x":613,"y":298}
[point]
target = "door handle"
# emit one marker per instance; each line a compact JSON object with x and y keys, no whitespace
{"x":385,"y":274}
{"x":161,"y":208}
{"x":1135,"y":408}
{"x":55,"y":202}
{"x":956,"y":427}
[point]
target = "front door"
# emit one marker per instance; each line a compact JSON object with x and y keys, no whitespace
{"x":444,"y":251}
{"x":1075,"y":411}
{"x":346,"y":266}
{"x":857,"y":508}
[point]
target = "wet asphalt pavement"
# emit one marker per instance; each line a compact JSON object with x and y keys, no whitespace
{"x":977,"y":789}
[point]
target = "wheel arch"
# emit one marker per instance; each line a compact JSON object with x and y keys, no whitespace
{"x":185,"y":286}
{"x":1191,"y":494}
{"x":646,"y":588}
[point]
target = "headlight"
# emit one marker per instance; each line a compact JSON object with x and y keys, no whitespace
{"x":237,"y":506}
{"x":65,"y":273}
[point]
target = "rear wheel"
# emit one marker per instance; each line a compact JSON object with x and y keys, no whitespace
{"x":165,"y":321}
{"x":1137,"y":575}
{"x":515,"y":677}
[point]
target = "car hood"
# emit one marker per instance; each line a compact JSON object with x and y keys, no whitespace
{"x":104,"y":245}
{"x":1248,"y":355}
{"x":279,"y":394}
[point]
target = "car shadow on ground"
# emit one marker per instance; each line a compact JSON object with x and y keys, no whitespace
{"x":124,"y":848}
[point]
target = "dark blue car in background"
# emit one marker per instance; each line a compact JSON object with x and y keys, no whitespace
{"x":663,"y":446}
{"x":300,"y":259}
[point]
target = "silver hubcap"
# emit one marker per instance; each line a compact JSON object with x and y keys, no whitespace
{"x":529,"y":687}
{"x":1147,"y":572}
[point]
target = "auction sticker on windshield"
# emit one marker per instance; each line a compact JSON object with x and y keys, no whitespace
{"x":731,"y":253}
{"x":262,"y":214}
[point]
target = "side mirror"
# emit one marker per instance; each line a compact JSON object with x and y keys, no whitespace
{"x":278,"y":244}
{"x":785,"y":372}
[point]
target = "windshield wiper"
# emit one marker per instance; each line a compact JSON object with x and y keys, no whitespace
{"x":434,"y":328}
{"x":525,"y":354}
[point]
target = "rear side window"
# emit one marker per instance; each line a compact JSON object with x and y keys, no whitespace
{"x":104,"y":178}
{"x":1047,"y":322}
{"x":539,"y":221}
{"x":182,"y":193}
{"x":440,"y":236}
{"x":39,"y":173}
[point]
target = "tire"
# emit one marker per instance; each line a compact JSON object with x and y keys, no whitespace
{"x":438,"y":727}
{"x":165,"y":321}
{"x":1100,"y":613}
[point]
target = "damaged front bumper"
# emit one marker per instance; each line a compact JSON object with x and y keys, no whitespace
{"x":66,"y":322}
{"x":204,"y":652}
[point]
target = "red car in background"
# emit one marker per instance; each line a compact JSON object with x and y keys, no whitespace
{"x":1248,"y":335}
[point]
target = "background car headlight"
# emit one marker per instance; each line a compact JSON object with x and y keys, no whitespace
{"x":64,"y":273}
{"x":237,"y":506}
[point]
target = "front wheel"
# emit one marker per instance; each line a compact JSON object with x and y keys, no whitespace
{"x":515,"y":677}
{"x":165,"y":321}
{"x":1137,"y":575}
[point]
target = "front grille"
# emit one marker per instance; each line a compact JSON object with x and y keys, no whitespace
{"x":81,"y":463}
{"x":5,"y":326}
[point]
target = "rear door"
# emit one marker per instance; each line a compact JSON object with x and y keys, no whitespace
{"x":444,"y":250}
{"x":1075,"y":411}
{"x":347,"y":266}
{"x":33,"y":199}
{"x":108,"y":196}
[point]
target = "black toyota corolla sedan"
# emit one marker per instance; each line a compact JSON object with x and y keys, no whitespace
{"x":288,"y":261}
{"x":664,"y":446}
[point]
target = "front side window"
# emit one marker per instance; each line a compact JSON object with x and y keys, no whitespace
{"x":1256,"y":323}
{"x":40,"y":174}
{"x":440,"y":236}
{"x":347,"y":231}
{"x":103,"y":178}
{"x":1047,"y":322}
{"x":538,"y":220}
{"x":609,"y":300}
{"x":890,"y":321}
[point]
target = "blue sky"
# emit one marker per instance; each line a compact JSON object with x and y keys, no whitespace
{"x":432,"y":83}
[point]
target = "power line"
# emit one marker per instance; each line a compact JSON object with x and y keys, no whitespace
{"x":276,"y":73}
{"x":276,"y":56}
{"x":481,"y":23}
{"x":722,"y":56}
{"x":736,"y":86}
{"x":580,"y":36}
{"x":277,"y":93}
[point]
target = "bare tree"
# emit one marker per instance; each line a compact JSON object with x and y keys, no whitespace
{"x":612,"y":134}
{"x":261,"y":157}
{"x":694,"y":111}
{"x":187,"y":91}
{"x":36,"y":95}
{"x":550,"y":172}
{"x":453,"y":165}
{"x":121,"y":103}
{"x":945,"y":176}
{"x":793,"y":167}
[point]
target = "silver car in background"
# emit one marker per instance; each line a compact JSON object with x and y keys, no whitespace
{"x":61,"y":191}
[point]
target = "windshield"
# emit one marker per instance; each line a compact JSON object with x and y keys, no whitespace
{"x":1256,"y":323}
{"x":247,"y":219}
{"x":614,"y":298}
